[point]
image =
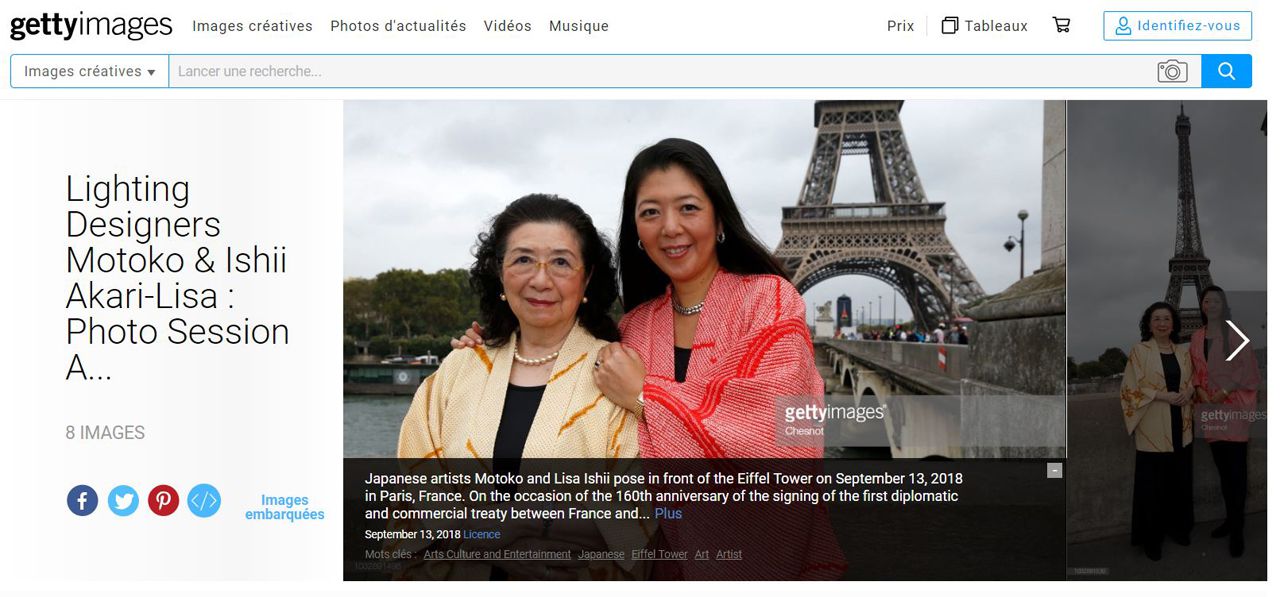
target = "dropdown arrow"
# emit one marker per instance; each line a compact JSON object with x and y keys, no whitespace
{"x":151,"y":71}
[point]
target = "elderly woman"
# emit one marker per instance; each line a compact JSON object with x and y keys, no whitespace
{"x":1230,"y":386}
{"x":1156,"y":397}
{"x":713,"y":336}
{"x":713,"y":331}
{"x":545,"y":281}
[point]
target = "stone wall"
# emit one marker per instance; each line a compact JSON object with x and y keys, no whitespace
{"x":1099,"y":471}
{"x":1019,"y":339}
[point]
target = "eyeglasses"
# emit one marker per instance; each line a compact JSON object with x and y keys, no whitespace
{"x":557,"y":267}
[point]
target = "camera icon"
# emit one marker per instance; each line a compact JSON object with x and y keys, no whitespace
{"x":1171,"y":71}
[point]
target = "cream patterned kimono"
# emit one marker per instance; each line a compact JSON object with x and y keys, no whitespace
{"x":455,"y":415}
{"x":456,"y":411}
{"x":1147,"y":419}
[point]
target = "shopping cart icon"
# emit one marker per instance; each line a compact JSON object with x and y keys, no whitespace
{"x":1064,"y":24}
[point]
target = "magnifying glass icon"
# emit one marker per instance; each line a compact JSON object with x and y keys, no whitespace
{"x":1226,"y":71}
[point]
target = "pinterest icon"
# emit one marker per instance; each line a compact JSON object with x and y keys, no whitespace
{"x":163,"y":500}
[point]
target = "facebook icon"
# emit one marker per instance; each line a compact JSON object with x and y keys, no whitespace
{"x":82,"y":500}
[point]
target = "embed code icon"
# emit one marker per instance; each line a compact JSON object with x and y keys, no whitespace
{"x":204,"y":500}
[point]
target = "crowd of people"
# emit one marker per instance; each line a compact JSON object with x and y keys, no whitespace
{"x":954,"y":334}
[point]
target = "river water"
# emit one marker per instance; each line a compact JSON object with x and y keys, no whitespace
{"x":371,"y":425}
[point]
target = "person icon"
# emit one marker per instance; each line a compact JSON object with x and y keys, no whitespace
{"x":1124,"y":29}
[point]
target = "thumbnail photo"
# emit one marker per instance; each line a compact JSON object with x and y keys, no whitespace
{"x":1167,"y":340}
{"x":643,"y":292}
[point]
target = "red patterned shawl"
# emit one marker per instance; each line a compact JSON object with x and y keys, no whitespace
{"x":1240,"y":374}
{"x":751,"y":346}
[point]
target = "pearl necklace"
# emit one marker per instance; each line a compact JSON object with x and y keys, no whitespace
{"x":537,"y":361}
{"x":694,"y":310}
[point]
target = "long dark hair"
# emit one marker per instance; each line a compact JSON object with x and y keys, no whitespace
{"x":486,"y":273}
{"x":740,"y":252}
{"x":1144,"y":326}
{"x":1226,"y":311}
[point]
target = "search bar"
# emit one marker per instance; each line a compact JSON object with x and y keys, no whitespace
{"x":638,"y":71}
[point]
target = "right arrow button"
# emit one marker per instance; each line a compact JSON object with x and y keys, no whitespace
{"x":1242,"y":337}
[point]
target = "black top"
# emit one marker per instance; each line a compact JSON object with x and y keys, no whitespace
{"x":1208,"y":342}
{"x":513,"y":429}
{"x":1172,"y":372}
{"x":682,"y":362}
{"x":1172,"y":377}
{"x":518,"y":410}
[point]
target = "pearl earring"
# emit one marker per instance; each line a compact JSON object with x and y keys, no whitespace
{"x":502,"y":296}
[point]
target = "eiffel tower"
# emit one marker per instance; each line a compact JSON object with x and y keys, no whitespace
{"x":899,"y":238}
{"x":1188,"y":267}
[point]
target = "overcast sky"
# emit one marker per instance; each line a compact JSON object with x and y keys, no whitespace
{"x":1122,"y":209}
{"x":423,"y":177}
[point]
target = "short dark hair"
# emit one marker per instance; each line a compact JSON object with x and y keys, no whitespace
{"x":740,"y":253}
{"x":1144,"y":326}
{"x":491,"y":245}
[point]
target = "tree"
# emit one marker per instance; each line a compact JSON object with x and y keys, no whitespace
{"x":449,"y":305}
{"x":1113,"y":360}
{"x":357,"y":307}
{"x":409,"y":303}
{"x":1092,"y":369}
{"x":398,"y":295}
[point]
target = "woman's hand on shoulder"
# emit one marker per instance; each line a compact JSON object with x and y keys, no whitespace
{"x":619,"y":373}
{"x":470,"y":338}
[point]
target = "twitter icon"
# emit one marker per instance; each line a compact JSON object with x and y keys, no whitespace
{"x":122,"y":500}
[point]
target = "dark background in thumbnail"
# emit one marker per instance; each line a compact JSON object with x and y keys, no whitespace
{"x":1121,"y":215}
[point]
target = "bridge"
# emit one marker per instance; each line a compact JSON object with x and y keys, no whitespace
{"x":932,"y":408}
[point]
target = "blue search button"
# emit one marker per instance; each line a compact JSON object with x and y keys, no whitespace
{"x":1226,"y":71}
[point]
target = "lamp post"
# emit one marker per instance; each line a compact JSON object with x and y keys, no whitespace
{"x":1018,"y":242}
{"x":880,"y":302}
